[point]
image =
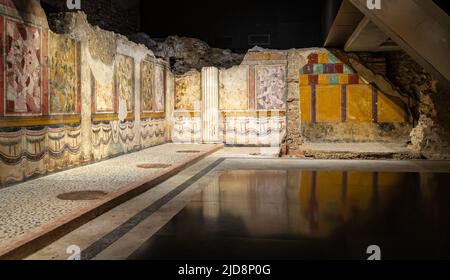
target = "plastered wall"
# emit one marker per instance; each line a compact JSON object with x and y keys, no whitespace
{"x":252,"y":102}
{"x":73,"y":98}
{"x":336,"y":104}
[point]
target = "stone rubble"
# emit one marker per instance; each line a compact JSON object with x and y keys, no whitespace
{"x":185,"y":53}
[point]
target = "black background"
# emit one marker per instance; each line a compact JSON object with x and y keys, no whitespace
{"x":227,"y":24}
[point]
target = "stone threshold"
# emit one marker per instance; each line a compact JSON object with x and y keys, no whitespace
{"x":362,"y":151}
{"x":44,"y":235}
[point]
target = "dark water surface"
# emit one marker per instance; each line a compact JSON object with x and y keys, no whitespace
{"x":295,"y":214}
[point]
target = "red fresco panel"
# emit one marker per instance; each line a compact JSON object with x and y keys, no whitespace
{"x":78,"y":62}
{"x":23,"y":69}
{"x":252,"y":87}
{"x":45,"y":69}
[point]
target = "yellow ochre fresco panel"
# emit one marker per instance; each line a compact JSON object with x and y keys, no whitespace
{"x":390,"y":109}
{"x":359,"y":103}
{"x":305,"y":104}
{"x":323,"y":79}
{"x":328,"y":103}
{"x":343,"y":79}
{"x":304,"y":80}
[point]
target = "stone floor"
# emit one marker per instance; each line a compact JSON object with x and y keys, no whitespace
{"x":32,"y":204}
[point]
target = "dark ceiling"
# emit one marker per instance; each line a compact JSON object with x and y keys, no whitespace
{"x":239,"y":25}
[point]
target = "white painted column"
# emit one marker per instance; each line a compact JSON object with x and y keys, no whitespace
{"x":210,"y":105}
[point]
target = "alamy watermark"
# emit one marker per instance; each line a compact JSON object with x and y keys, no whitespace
{"x":74,"y":4}
{"x":374,"y":252}
{"x":374,"y":4}
{"x":74,"y":253}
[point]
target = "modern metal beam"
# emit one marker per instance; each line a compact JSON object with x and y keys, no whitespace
{"x":367,"y":37}
{"x":419,"y":27}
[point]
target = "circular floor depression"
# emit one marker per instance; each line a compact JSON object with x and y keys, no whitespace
{"x":82,"y":195}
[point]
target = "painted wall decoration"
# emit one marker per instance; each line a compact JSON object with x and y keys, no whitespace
{"x":234,"y":88}
{"x":63,"y":87}
{"x":270,"y":87}
{"x":330,"y":92}
{"x":187,"y":128}
{"x":336,"y":104}
{"x":188,"y":92}
{"x":252,"y":129}
{"x":147,"y":75}
{"x":41,"y":88}
{"x":38,"y":152}
{"x":23,"y":50}
{"x":160,"y":88}
{"x":104,"y":99}
{"x":124,"y":80}
{"x":153,"y":132}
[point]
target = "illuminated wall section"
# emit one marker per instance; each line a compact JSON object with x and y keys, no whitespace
{"x":337,"y":104}
{"x":65,"y":101}
{"x":187,"y":108}
{"x":253,"y":100}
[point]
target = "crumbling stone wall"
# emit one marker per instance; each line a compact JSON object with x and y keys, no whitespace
{"x":428,"y":101}
{"x":185,"y":54}
{"x":431,"y":134}
{"x":121,"y":16}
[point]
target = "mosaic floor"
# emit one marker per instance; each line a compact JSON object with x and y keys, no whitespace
{"x":29,"y":205}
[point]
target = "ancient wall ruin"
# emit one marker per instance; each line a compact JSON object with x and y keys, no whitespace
{"x":77,"y":94}
{"x":338,"y":105}
{"x":430,"y":103}
{"x":73,"y":98}
{"x":252,"y":102}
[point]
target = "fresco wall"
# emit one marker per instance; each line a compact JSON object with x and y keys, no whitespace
{"x":72,"y":98}
{"x":187,"y":108}
{"x":64,"y":65}
{"x":252,"y":100}
{"x":336,"y":104}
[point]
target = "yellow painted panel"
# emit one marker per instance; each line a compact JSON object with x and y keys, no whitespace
{"x":323,"y":58}
{"x":305,"y":104}
{"x":328,"y":103}
{"x":323,"y":79}
{"x":343,"y":79}
{"x":390,"y":109}
{"x":359,"y":103}
{"x":304,"y":80}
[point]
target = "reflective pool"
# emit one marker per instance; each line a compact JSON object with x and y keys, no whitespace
{"x":296,"y":214}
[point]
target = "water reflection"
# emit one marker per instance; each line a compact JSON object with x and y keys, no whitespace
{"x":299,"y":202}
{"x":299,"y":214}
